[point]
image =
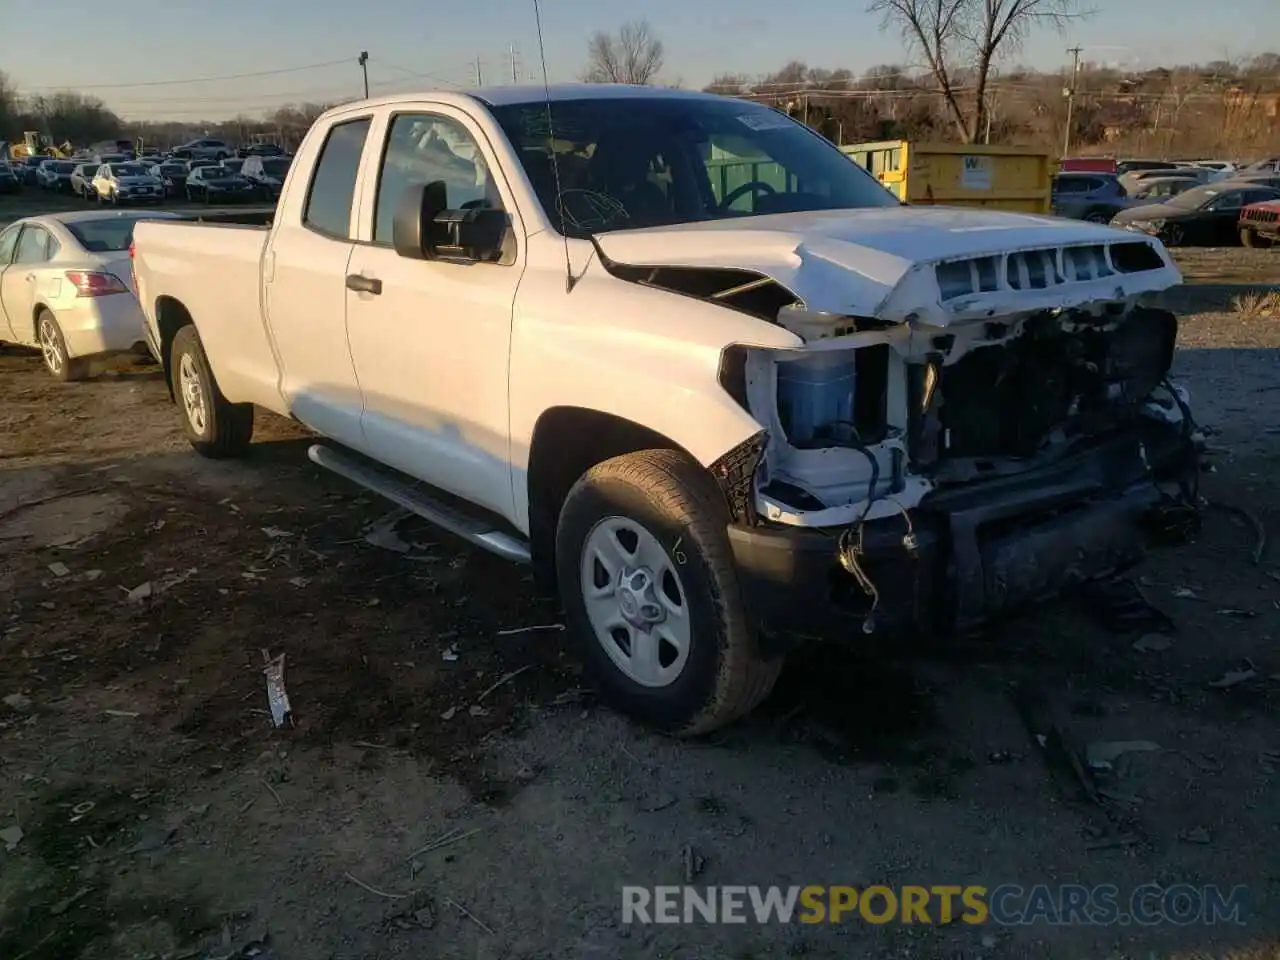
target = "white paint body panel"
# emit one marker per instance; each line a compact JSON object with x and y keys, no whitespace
{"x":446,"y":374}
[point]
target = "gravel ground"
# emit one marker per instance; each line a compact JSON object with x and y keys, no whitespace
{"x":163,"y":816}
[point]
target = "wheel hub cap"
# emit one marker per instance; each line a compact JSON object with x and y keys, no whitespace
{"x":636,"y":602}
{"x":49,"y":346}
{"x":192,"y":394}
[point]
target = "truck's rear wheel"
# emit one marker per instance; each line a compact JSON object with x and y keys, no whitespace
{"x":216,"y":427}
{"x":649,"y":588}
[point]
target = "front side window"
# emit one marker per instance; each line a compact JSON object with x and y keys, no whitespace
{"x":657,"y":161}
{"x":425,"y":148}
{"x":333,"y":185}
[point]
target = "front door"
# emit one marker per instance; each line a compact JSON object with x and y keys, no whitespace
{"x":431,"y":347}
{"x":306,"y":302}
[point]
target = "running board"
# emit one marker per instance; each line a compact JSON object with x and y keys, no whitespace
{"x":413,"y":499}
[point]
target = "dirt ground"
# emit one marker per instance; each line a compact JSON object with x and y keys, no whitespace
{"x":162,"y":815}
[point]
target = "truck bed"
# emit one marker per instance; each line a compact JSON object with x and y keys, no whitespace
{"x":211,"y":267}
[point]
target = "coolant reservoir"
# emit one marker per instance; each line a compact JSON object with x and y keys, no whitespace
{"x":815,"y":398}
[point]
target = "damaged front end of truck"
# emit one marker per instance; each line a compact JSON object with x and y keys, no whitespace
{"x":986,"y":431}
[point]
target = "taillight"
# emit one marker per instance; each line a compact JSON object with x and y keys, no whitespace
{"x":90,"y":283}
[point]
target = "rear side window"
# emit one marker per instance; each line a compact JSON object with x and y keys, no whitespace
{"x":333,"y":185}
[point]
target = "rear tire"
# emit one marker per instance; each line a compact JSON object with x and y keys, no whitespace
{"x":53,"y":350}
{"x":1250,"y":238}
{"x":657,"y":516}
{"x":215,"y":427}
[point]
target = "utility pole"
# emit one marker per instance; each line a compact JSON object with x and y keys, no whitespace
{"x":1070,"y":93}
{"x":363,"y":60}
{"x":515,"y":76}
{"x":479,"y":76}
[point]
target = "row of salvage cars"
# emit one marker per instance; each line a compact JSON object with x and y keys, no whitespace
{"x":119,"y":180}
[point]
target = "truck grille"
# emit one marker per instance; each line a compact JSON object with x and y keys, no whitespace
{"x":1261,"y":216}
{"x":1044,"y":268}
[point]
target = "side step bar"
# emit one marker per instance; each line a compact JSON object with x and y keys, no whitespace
{"x":413,"y":499}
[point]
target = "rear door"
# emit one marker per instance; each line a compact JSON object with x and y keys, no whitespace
{"x":304,"y":271}
{"x":8,"y":243}
{"x":20,"y":281}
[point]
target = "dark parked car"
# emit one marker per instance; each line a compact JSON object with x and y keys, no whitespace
{"x":174,"y":175}
{"x":1096,"y":197}
{"x":1128,"y":166}
{"x":28,"y":168}
{"x":267,"y":174}
{"x":55,"y":175}
{"x":217,"y":184}
{"x":199,"y":162}
{"x":9,"y":182}
{"x":1158,"y":189}
{"x":1202,"y":216}
{"x":260,"y":150}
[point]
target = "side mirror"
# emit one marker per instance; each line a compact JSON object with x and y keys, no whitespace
{"x":424,"y":229}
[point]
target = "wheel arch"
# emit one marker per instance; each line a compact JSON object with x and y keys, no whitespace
{"x":171,"y":316}
{"x":36,"y":309}
{"x":568,"y":441}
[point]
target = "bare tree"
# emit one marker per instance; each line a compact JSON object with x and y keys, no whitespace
{"x":633,"y":55}
{"x":961,"y":39}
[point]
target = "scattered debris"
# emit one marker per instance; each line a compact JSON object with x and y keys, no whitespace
{"x":1102,"y":754}
{"x":450,"y":654}
{"x":1152,"y":643}
{"x":272,"y":791}
{"x":1269,"y":760}
{"x":299,"y":581}
{"x":1120,"y":840}
{"x":92,"y":575}
{"x":1231,"y":678}
{"x":449,"y":714}
{"x":17,"y":701}
{"x":127,"y":714}
{"x":62,"y":906}
{"x":1185,"y":593}
{"x":419,"y":912}
{"x":469,"y":915}
{"x":1195,"y":835}
{"x":1259,"y":531}
{"x":1001,"y":757}
{"x":59,"y":569}
{"x":141,"y":592}
{"x":478,"y":711}
{"x":11,"y":837}
{"x":1120,"y":607}
{"x":1236,"y":612}
{"x":447,"y":839}
{"x":277,"y":695}
{"x":275,"y":533}
{"x":1058,"y":755}
{"x":507,"y":678}
{"x":515,"y":630}
{"x":381,"y":893}
{"x":693,"y":863}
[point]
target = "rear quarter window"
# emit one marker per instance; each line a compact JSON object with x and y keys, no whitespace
{"x":333,"y":184}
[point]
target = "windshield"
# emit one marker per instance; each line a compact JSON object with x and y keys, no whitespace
{"x":668,"y":160}
{"x":232,"y":165}
{"x":131,"y":170}
{"x":172,"y":169}
{"x":275,"y":168}
{"x":105,"y":234}
{"x":216,"y":173}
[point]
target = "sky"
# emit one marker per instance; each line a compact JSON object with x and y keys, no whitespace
{"x":134,"y":55}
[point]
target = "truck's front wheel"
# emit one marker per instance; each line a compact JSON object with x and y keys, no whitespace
{"x":216,"y":427}
{"x":650,"y":591}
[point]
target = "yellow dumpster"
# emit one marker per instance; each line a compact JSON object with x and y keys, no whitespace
{"x":964,"y":174}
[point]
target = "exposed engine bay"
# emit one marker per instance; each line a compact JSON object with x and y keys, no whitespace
{"x":870,"y":428}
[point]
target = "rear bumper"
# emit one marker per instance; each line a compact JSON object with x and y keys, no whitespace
{"x":980,"y":552}
{"x":97,"y":325}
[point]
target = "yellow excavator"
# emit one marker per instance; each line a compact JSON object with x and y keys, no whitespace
{"x":35,"y":143}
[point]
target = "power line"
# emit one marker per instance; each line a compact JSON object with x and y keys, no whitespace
{"x":227,"y":76}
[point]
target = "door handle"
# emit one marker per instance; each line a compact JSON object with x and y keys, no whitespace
{"x":362,"y":284}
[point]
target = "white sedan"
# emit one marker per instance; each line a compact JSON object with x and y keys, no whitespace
{"x":66,"y":287}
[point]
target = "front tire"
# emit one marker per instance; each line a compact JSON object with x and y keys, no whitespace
{"x":215,"y":427}
{"x":53,"y":350}
{"x":1250,"y":238}
{"x":651,"y":594}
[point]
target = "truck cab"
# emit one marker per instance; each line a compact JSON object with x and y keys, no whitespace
{"x":715,"y":413}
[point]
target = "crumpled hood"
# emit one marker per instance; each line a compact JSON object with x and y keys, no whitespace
{"x":934,"y":264}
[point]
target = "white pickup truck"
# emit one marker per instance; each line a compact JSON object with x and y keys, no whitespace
{"x":708,"y":377}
